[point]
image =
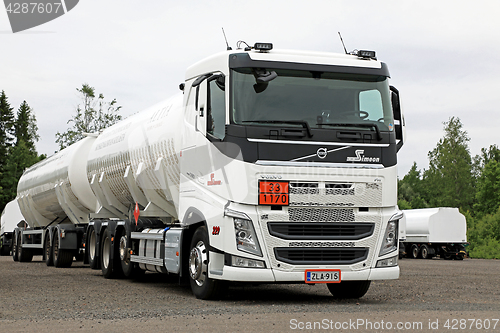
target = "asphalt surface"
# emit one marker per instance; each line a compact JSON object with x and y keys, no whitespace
{"x":430,"y":292}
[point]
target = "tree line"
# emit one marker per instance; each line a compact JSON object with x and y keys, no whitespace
{"x":19,"y":134}
{"x":456,"y":179}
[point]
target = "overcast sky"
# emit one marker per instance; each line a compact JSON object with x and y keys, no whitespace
{"x":443,"y":56}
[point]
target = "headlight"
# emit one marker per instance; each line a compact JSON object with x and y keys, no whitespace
{"x":390,"y":242}
{"x":246,"y":239}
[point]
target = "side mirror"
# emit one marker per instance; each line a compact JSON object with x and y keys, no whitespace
{"x":398,"y":117}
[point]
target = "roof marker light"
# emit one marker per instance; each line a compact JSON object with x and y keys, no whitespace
{"x":366,"y":54}
{"x":263,"y":47}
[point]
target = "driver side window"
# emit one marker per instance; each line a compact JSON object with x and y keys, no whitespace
{"x":216,"y":111}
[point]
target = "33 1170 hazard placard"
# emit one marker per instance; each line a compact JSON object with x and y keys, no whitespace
{"x":273,"y":193}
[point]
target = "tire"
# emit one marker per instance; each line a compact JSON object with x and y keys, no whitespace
{"x":24,"y":255}
{"x":47,"y":250}
{"x":447,"y":257}
{"x":92,"y":249}
{"x":106,"y":262}
{"x":15,"y":253}
{"x":348,"y":289}
{"x":459,"y":257}
{"x":414,"y":251}
{"x":424,"y":252}
{"x":127,"y":268}
{"x":202,"y":286}
{"x":62,"y":257}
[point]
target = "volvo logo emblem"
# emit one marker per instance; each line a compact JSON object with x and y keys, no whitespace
{"x":322,"y":152}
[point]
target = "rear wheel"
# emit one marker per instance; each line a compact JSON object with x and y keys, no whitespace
{"x":62,"y":257}
{"x":92,"y":249}
{"x":202,"y":286}
{"x":106,"y":262}
{"x":15,"y":251}
{"x":24,"y":255}
{"x":424,"y":252}
{"x":349,"y":289}
{"x":414,"y":251}
{"x":47,"y":250}
{"x":129,"y":269}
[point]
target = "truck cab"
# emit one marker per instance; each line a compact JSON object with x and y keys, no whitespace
{"x":290,"y":159}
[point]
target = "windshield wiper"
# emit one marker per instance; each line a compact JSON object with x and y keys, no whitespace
{"x":372,"y":125}
{"x":304,"y":123}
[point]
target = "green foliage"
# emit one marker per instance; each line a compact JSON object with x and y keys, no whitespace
{"x":449,"y":180}
{"x":95,"y":116}
{"x":6,"y":128}
{"x":488,"y":189}
{"x":411,"y":189}
{"x":17,"y":146}
{"x":403,"y":204}
{"x":483,"y":234}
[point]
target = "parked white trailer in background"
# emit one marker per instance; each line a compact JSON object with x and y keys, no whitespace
{"x":11,"y":218}
{"x":435,"y":231}
{"x":271,"y":166}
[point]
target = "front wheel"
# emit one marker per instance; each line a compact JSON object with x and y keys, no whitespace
{"x":349,"y":289}
{"x":202,"y":286}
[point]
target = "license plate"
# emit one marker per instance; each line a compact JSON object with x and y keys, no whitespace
{"x":273,"y":193}
{"x":322,"y":276}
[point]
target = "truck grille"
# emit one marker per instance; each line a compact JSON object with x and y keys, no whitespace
{"x":325,"y":230}
{"x":320,"y":256}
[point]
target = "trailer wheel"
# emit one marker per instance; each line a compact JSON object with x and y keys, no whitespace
{"x":47,"y":250}
{"x":14,"y":247}
{"x":92,"y":249}
{"x":424,"y":252}
{"x":202,"y":286}
{"x":414,"y":251}
{"x":62,"y":257}
{"x":24,"y":255}
{"x":106,"y":262}
{"x":348,"y":289}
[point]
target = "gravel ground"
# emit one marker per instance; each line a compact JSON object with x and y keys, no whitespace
{"x":34,"y":296}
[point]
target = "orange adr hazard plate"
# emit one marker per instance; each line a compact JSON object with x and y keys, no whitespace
{"x":273,"y":193}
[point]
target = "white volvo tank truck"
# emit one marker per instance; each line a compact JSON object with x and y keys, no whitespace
{"x":271,"y":167}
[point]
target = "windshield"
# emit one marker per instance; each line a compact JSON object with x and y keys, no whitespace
{"x":321,"y":99}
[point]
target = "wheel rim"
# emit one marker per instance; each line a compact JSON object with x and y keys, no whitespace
{"x":124,"y":255}
{"x":424,"y":253}
{"x":106,"y":251}
{"x":92,"y":245}
{"x":415,"y":252}
{"x":198,"y":263}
